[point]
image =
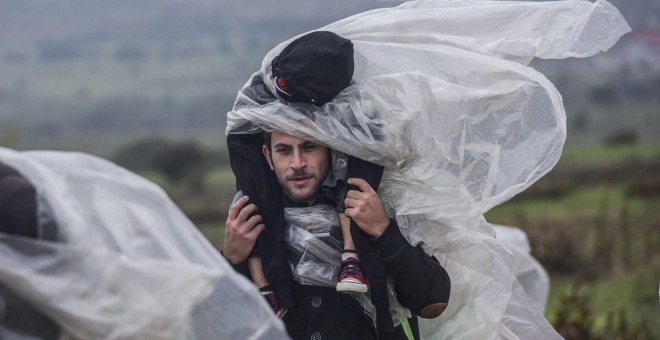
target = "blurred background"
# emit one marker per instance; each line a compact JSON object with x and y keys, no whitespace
{"x":148,"y":83}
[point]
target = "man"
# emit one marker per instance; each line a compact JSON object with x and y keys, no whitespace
{"x":320,"y":312}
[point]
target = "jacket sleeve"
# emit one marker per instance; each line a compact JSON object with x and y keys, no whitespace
{"x":241,"y":268}
{"x":419,"y":279}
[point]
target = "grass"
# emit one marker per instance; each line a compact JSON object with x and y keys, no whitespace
{"x":631,"y":296}
{"x":592,"y":201}
{"x":607,"y":155}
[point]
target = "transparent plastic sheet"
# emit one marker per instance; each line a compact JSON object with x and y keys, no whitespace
{"x":315,"y":242}
{"x":443,"y":98}
{"x":126,"y":263}
{"x":483,"y":274}
{"x":446,"y":112}
{"x":529,"y":272}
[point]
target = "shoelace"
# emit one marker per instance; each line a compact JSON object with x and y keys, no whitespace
{"x":349,"y":268}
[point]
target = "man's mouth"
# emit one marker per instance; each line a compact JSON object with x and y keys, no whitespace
{"x":299,"y":180}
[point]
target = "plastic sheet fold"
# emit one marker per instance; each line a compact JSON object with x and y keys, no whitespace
{"x":442,"y":96}
{"x":125,"y":262}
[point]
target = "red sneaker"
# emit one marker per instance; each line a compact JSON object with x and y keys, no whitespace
{"x":351,"y":280}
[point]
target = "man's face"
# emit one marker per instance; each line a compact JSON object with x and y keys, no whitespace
{"x":300,"y":165}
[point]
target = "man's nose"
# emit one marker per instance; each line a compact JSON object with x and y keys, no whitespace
{"x":298,"y":161}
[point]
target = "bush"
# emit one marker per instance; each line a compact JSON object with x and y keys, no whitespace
{"x":621,"y":137}
{"x":576,"y":319}
{"x":174,"y":160}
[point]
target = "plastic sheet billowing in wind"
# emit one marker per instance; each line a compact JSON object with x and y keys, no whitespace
{"x":125,"y":262}
{"x":443,"y":98}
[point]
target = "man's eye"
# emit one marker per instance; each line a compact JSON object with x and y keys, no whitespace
{"x":283,"y":151}
{"x":309,"y":147}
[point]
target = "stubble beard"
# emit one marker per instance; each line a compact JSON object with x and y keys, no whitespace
{"x":305,"y":197}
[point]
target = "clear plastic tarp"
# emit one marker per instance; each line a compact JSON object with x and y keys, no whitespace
{"x":125,"y":262}
{"x":529,"y":272}
{"x":444,"y":98}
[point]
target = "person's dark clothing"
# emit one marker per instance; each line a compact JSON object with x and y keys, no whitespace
{"x":18,"y":216}
{"x":324,"y":313}
{"x":18,"y":205}
{"x":22,"y":318}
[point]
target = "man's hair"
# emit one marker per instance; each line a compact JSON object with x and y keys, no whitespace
{"x":267,"y":140}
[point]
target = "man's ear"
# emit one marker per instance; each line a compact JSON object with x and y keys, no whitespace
{"x":267,"y":155}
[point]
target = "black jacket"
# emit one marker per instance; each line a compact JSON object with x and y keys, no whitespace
{"x":323,"y":313}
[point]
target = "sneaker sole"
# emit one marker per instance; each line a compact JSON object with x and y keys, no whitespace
{"x":349,"y":287}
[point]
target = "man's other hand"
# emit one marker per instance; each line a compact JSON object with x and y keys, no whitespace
{"x":365,"y":208}
{"x":240,"y":231}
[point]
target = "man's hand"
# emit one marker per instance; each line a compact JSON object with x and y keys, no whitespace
{"x":365,"y":209}
{"x":240,"y":232}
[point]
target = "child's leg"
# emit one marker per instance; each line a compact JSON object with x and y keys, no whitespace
{"x":345,"y":223}
{"x":351,"y":279}
{"x":259,"y":279}
{"x":257,"y":272}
